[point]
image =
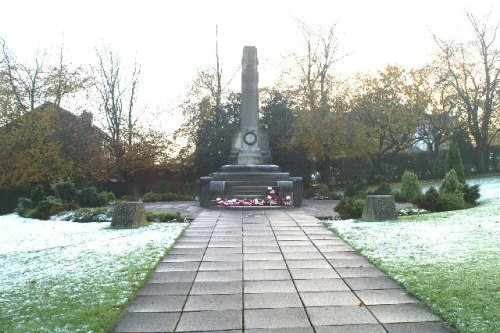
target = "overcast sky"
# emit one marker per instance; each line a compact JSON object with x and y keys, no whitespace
{"x":173,"y":39}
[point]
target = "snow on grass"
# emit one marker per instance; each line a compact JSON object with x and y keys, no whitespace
{"x":450,"y":260}
{"x":62,"y":276}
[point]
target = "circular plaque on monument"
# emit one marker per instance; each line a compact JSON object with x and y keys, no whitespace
{"x":250,"y":138}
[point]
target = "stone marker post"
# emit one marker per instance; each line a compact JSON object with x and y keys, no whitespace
{"x":379,"y":208}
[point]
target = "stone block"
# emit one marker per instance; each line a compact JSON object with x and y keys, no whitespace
{"x":379,"y":208}
{"x":128,"y":215}
{"x":204,"y":196}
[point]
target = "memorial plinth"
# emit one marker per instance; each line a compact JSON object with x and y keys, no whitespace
{"x":249,"y":172}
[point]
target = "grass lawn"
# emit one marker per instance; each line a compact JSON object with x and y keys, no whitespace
{"x":450,"y":260}
{"x":73,"y":277}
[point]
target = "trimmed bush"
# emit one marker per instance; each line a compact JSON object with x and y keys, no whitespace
{"x":397,"y":196}
{"x":85,"y":215}
{"x":323,"y":191}
{"x":349,"y":208}
{"x":24,"y":205}
{"x":37,"y":194}
{"x":454,"y":162}
{"x":428,"y":201}
{"x":471,"y":194}
{"x":410,"y":186}
{"x":154,"y":197}
{"x":151,"y":197}
{"x":89,"y":197}
{"x":64,"y":190}
{"x":451,"y":184}
{"x":383,"y":189}
{"x":353,"y":189}
{"x":434,"y":201}
{"x":164,"y":217}
{"x":110,"y":196}
{"x":175,"y":197}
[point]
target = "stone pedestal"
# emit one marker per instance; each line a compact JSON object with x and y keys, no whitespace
{"x":127,"y":215}
{"x":379,"y":208}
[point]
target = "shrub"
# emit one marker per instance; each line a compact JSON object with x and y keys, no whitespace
{"x":323,"y":191}
{"x":428,"y":201}
{"x":24,"y":205}
{"x":383,"y":189}
{"x":151,"y":197}
{"x":355,"y":187}
{"x":397,"y":196}
{"x":37,"y":194}
{"x":410,"y":186}
{"x":89,"y":197}
{"x":435,"y":201}
{"x":110,"y":196}
{"x":86,"y":215}
{"x":175,"y":197}
{"x":349,"y":208}
{"x":128,"y":198}
{"x":454,"y":162}
{"x":451,"y":184}
{"x":450,"y":201}
{"x":164,"y":217}
{"x":471,"y":193}
{"x":44,"y":209}
{"x":65,"y":190}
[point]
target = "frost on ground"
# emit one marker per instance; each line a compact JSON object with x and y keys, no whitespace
{"x":60,"y":276}
{"x":450,"y":260}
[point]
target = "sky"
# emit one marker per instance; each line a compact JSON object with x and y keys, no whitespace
{"x":172,"y":40}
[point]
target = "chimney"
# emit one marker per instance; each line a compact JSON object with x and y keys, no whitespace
{"x":87,"y":117}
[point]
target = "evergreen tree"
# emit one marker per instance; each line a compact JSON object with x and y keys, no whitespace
{"x":454,"y":161}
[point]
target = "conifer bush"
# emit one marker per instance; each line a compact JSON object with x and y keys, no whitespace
{"x":64,"y":190}
{"x":410,"y":186}
{"x":451,"y":184}
{"x":454,"y":161}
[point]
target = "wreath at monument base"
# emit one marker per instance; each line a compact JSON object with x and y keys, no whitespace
{"x":272,"y":199}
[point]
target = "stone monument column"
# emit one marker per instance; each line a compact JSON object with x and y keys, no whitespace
{"x":250,"y":144}
{"x":249,"y":89}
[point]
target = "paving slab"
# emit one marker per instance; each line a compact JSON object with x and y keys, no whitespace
{"x":313,"y":273}
{"x":146,"y":322}
{"x":267,"y":274}
{"x":286,"y":286}
{"x":329,"y":298}
{"x":340,"y":315}
{"x":210,"y":321}
{"x":221,"y":265}
{"x":168,"y":288}
{"x":213,"y":302}
{"x":370,"y":328}
{"x":214,"y":287}
{"x":263,"y":264}
{"x":426,"y":327}
{"x":321,"y":285}
{"x":271,"y":271}
{"x":276,"y":318}
{"x":157,"y":303}
{"x":402,"y":313}
{"x":272,"y":300}
{"x":387,"y":296}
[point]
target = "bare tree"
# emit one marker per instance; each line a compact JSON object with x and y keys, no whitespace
{"x":117,"y":99}
{"x":315,"y":65}
{"x":473,"y":70}
{"x":65,"y":79}
{"x":27,"y":85}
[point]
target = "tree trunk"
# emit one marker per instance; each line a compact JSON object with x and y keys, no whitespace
{"x":481,"y":159}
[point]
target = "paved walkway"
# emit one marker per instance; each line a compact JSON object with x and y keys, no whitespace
{"x":270,"y":271}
